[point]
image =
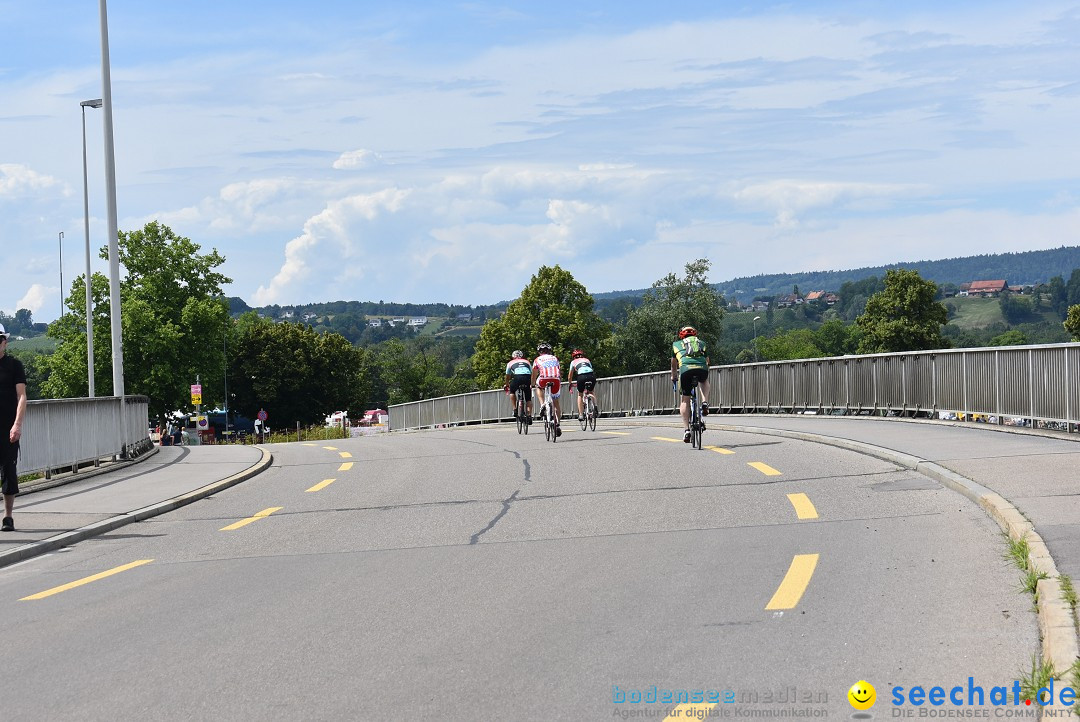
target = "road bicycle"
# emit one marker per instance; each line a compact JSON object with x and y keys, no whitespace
{"x":551,"y":425}
{"x":697,"y":426}
{"x":588,"y":405}
{"x":521,"y":402}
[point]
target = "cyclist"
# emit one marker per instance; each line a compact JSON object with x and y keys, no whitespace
{"x":519,"y":375}
{"x":582,"y":368}
{"x":545,"y":372}
{"x":690,"y":366}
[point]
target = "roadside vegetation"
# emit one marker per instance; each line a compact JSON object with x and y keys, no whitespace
{"x":302,"y":363}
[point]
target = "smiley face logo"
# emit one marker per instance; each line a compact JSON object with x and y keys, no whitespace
{"x":862,"y":695}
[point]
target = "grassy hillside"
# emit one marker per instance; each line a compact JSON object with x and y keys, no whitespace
{"x":975,"y":312}
{"x":43,"y":344}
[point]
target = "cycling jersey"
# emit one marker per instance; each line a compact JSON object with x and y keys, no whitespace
{"x":581,"y":366}
{"x":547,"y":366}
{"x":518,"y":367}
{"x":691,"y":353}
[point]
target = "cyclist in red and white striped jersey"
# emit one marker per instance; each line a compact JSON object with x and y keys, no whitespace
{"x":546,"y":372}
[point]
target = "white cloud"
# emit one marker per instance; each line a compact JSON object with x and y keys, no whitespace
{"x":16,"y":179}
{"x":36,"y":296}
{"x":790,"y":198}
{"x":357,"y":159}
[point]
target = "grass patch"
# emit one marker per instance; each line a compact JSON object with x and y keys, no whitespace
{"x":311,"y":433}
{"x":1075,"y":679}
{"x":1068,"y":592}
{"x":1017,"y":552}
{"x":1029,"y":582}
{"x":975,"y":312}
{"x":1039,"y":676}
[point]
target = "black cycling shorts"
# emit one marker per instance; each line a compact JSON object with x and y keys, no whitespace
{"x":520,"y":381}
{"x":582,"y":379}
{"x":691,"y":378}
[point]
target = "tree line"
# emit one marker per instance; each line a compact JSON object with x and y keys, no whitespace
{"x":178,"y":329}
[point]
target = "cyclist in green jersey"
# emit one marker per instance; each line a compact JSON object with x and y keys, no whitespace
{"x":690,"y":367}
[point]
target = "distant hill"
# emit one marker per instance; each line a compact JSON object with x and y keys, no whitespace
{"x":1028,"y":267}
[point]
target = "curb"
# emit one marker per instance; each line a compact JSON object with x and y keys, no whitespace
{"x":105,"y":526}
{"x":1059,"y":640}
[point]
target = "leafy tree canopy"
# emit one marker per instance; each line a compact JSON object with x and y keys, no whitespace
{"x":1072,"y":322}
{"x":553,"y":307}
{"x":902,"y":317}
{"x":173,"y":318}
{"x":295,"y":373}
{"x":643,"y":343}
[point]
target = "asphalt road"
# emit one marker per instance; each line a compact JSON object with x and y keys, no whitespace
{"x":478,"y":574}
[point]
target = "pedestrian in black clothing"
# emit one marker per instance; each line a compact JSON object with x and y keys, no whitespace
{"x":12,"y":412}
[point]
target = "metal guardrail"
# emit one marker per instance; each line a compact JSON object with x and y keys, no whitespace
{"x":68,"y":433}
{"x":1035,"y":384}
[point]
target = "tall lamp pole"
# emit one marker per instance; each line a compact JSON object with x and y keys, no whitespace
{"x":96,"y":103}
{"x":756,"y":319}
{"x":110,"y":198}
{"x":60,"y":241}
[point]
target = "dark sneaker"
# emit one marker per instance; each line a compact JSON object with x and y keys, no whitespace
{"x":581,"y":417}
{"x":8,"y":525}
{"x":704,"y":409}
{"x":686,"y":436}
{"x":558,"y":431}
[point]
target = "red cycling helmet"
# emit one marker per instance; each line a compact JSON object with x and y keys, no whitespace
{"x":577,"y":353}
{"x":687,"y":331}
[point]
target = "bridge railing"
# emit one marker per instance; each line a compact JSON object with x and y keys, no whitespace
{"x":69,"y":433}
{"x":1028,"y":384}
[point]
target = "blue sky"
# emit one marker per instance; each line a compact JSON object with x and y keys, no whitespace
{"x":443,"y":152}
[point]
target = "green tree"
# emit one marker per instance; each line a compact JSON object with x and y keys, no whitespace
{"x":903,"y":316}
{"x":794,"y":344}
{"x":643,"y":343}
{"x":1012,"y":337}
{"x":553,"y":307}
{"x":295,"y":373}
{"x":836,"y":338}
{"x":1072,"y":322}
{"x":173,"y":315}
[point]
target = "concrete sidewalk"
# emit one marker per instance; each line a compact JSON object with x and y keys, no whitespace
{"x":59,"y":512}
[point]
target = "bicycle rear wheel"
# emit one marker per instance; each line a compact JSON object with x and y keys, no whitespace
{"x":584,"y":420}
{"x":591,"y":413}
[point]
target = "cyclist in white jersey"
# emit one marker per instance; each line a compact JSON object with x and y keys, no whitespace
{"x":519,"y":373}
{"x":546,"y":372}
{"x":581,"y":369}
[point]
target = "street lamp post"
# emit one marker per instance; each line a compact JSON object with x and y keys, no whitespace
{"x":60,"y":241}
{"x":110,"y":199}
{"x":756,"y":319}
{"x":96,"y":103}
{"x":225,"y":356}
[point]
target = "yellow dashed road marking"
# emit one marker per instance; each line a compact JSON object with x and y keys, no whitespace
{"x":322,"y":484}
{"x":85,"y":580}
{"x":345,"y":466}
{"x":764,"y":468}
{"x":616,"y":433}
{"x":795,"y":582}
{"x":344,"y":455}
{"x":719,"y":450}
{"x":244,"y":522}
{"x":330,"y":448}
{"x":664,"y":438}
{"x":804,"y":508}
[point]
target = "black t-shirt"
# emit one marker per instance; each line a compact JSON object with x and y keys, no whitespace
{"x":11,"y":373}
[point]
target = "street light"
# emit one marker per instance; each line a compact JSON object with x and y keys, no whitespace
{"x":110,"y":203}
{"x":61,"y":243}
{"x":756,"y":319}
{"x":96,"y":103}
